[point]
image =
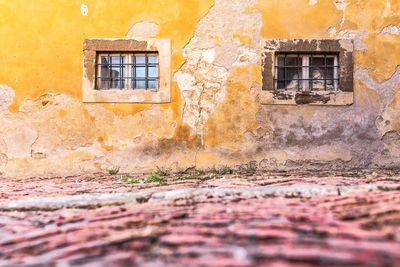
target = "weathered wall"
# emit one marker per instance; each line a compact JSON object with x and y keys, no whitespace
{"x":215,"y":116}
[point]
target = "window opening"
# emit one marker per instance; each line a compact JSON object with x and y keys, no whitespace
{"x":127,"y":71}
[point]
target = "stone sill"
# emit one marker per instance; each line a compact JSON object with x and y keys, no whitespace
{"x":318,"y":98}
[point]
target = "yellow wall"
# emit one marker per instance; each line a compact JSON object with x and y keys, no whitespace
{"x":42,"y":40}
{"x":215,"y":116}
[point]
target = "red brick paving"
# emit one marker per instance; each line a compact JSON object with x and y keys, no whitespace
{"x":356,"y":228}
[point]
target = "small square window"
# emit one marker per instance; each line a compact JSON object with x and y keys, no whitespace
{"x":127,"y":71}
{"x":307,"y":71}
{"x":132,"y":70}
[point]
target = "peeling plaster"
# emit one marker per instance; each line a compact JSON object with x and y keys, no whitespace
{"x":3,"y":154}
{"x":332,"y":31}
{"x":386,"y":89}
{"x":63,"y":136}
{"x":84,"y":10}
{"x":144,"y":28}
{"x":202,"y":79}
{"x":6,"y":97}
{"x":391,"y":29}
{"x":340,"y":5}
{"x":312,"y":2}
{"x":358,"y":37}
{"x":19,"y":141}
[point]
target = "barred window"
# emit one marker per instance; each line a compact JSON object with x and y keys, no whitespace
{"x":127,"y":71}
{"x":306,"y":72}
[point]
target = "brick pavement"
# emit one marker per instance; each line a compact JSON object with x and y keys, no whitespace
{"x":258,"y":220}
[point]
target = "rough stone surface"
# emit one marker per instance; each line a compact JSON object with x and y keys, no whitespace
{"x":301,"y":219}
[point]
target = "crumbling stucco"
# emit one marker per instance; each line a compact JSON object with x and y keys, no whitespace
{"x":217,"y":47}
{"x":340,"y":4}
{"x":6,"y":97}
{"x":3,"y":155}
{"x":386,"y":89}
{"x":84,"y":10}
{"x":357,"y":36}
{"x":391,"y":29}
{"x":19,"y":140}
{"x":144,"y":29}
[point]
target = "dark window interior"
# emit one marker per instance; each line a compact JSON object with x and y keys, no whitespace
{"x":306,"y":72}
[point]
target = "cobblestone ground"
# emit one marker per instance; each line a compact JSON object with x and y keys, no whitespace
{"x":257,"y":220}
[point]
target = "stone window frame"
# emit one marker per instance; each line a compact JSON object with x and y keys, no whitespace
{"x":92,"y":47}
{"x":344,"y":95}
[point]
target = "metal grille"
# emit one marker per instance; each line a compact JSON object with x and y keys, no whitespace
{"x":306,"y":72}
{"x":127,"y":71}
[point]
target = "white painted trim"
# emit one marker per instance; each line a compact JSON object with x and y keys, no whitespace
{"x":306,"y":73}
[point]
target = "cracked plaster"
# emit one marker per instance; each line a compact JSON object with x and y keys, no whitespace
{"x":144,"y":29}
{"x":203,"y":77}
{"x":6,"y":97}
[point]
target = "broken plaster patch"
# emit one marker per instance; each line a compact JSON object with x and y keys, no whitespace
{"x":312,"y":2}
{"x":386,"y":89}
{"x":144,"y":28}
{"x":332,"y":31}
{"x":209,"y":55}
{"x":6,"y":97}
{"x":340,"y":4}
{"x":84,"y":10}
{"x":3,"y":154}
{"x":19,"y":142}
{"x":391,"y":30}
{"x":358,"y":37}
{"x":186,"y":81}
{"x":246,"y":56}
{"x":202,"y":79}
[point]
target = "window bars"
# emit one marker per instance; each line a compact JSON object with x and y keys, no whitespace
{"x":306,"y":72}
{"x":127,"y":71}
